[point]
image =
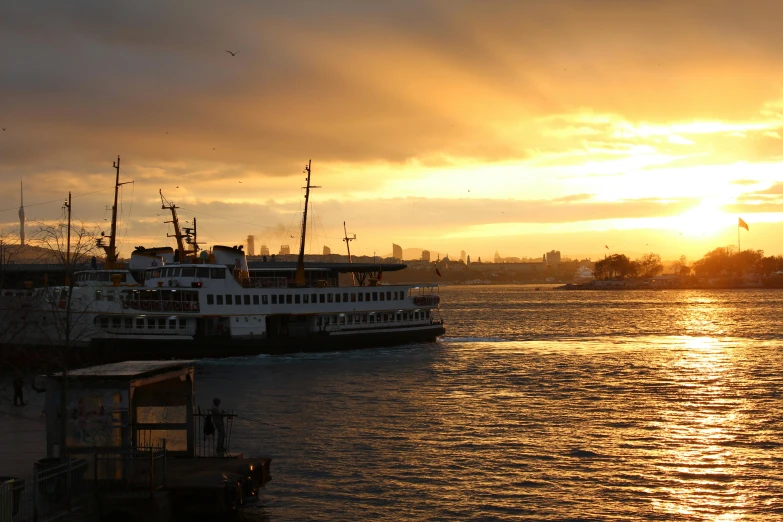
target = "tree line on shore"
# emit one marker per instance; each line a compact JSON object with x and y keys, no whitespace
{"x":718,"y":263}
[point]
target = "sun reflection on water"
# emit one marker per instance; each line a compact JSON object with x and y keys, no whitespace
{"x":701,"y":419}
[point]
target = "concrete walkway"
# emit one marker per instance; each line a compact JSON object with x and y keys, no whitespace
{"x":22,"y":429}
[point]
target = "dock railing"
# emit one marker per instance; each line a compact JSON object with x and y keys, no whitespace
{"x":140,"y":470}
{"x":52,"y":489}
{"x":207,"y":444}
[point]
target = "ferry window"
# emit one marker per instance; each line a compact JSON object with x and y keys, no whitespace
{"x":165,"y":272}
{"x":313,"y":298}
{"x":350,"y":319}
{"x":289,"y":299}
{"x":238,"y":299}
{"x":334,"y":320}
{"x":364,"y":318}
{"x":139,"y":323}
{"x":161,"y":324}
{"x":345,"y":297}
{"x":398,"y":318}
{"x":150,"y":323}
{"x":173,"y":324}
{"x":98,"y":295}
{"x":281,"y":299}
{"x":264,"y":299}
{"x":104,"y":277}
{"x":375,"y":296}
{"x":189,"y":271}
{"x":202,"y":272}
{"x":321,"y":298}
{"x":382,"y":296}
{"x":367,"y":296}
{"x":353,"y":297}
{"x":255,"y":299}
{"x":427,"y":313}
{"x":388,"y":296}
{"x":219,"y":299}
{"x":182,"y":324}
{"x":329,"y":298}
{"x":217,"y":273}
{"x":297,"y":299}
{"x":336,"y":298}
{"x":342,"y":319}
{"x":176,"y":272}
{"x":115,"y":322}
{"x":229,"y":299}
{"x":318,"y":321}
{"x":361,"y":297}
{"x":274,"y":298}
{"x":306,"y":298}
{"x":128,"y":323}
{"x":210,"y":299}
{"x":372,"y":318}
{"x":104,"y":322}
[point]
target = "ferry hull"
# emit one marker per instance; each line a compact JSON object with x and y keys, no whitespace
{"x":104,"y":350}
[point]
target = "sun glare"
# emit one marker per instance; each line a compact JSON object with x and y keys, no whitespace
{"x":707,"y":219}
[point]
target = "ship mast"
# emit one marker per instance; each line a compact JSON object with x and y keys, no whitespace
{"x":348,"y":245}
{"x":111,"y":248}
{"x":166,"y":205}
{"x":300,"y":273}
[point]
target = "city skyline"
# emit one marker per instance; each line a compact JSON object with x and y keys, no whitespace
{"x":449,"y":126}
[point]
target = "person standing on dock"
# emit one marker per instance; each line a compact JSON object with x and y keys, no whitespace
{"x":19,"y":391}
{"x":220,"y":427}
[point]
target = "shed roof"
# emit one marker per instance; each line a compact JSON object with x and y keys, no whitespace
{"x":129,"y":369}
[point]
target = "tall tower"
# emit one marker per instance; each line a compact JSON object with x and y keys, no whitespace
{"x":251,"y":245}
{"x":21,"y":213}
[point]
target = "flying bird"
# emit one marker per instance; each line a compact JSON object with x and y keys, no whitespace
{"x":232,"y":54}
{"x":3,"y":129}
{"x":240,"y":182}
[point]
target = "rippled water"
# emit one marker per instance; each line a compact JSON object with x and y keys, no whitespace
{"x":538,"y":405}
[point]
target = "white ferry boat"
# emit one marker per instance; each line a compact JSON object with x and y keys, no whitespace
{"x":186,"y":303}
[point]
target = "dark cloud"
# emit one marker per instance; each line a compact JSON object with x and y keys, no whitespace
{"x":362,"y":81}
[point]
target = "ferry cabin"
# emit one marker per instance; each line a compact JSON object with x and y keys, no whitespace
{"x":211,"y":301}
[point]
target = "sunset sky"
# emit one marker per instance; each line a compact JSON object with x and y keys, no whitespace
{"x":520,"y":127}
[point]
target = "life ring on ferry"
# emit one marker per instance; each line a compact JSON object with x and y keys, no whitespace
{"x":194,"y":306}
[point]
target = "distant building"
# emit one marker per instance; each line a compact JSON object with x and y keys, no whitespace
{"x":396,"y":251}
{"x":251,"y":245}
{"x":552,"y":258}
{"x":468,"y":261}
{"x":263,"y":251}
{"x":498,"y":259}
{"x":284,"y":250}
{"x":327,"y":251}
{"x":462,"y":256}
{"x":425,"y":255}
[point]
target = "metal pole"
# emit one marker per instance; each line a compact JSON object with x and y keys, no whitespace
{"x":68,"y":246}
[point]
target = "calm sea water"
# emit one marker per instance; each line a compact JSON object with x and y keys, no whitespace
{"x":537,"y":405}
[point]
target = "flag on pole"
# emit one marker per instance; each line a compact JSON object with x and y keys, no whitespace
{"x":743,"y":224}
{"x":437,"y":271}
